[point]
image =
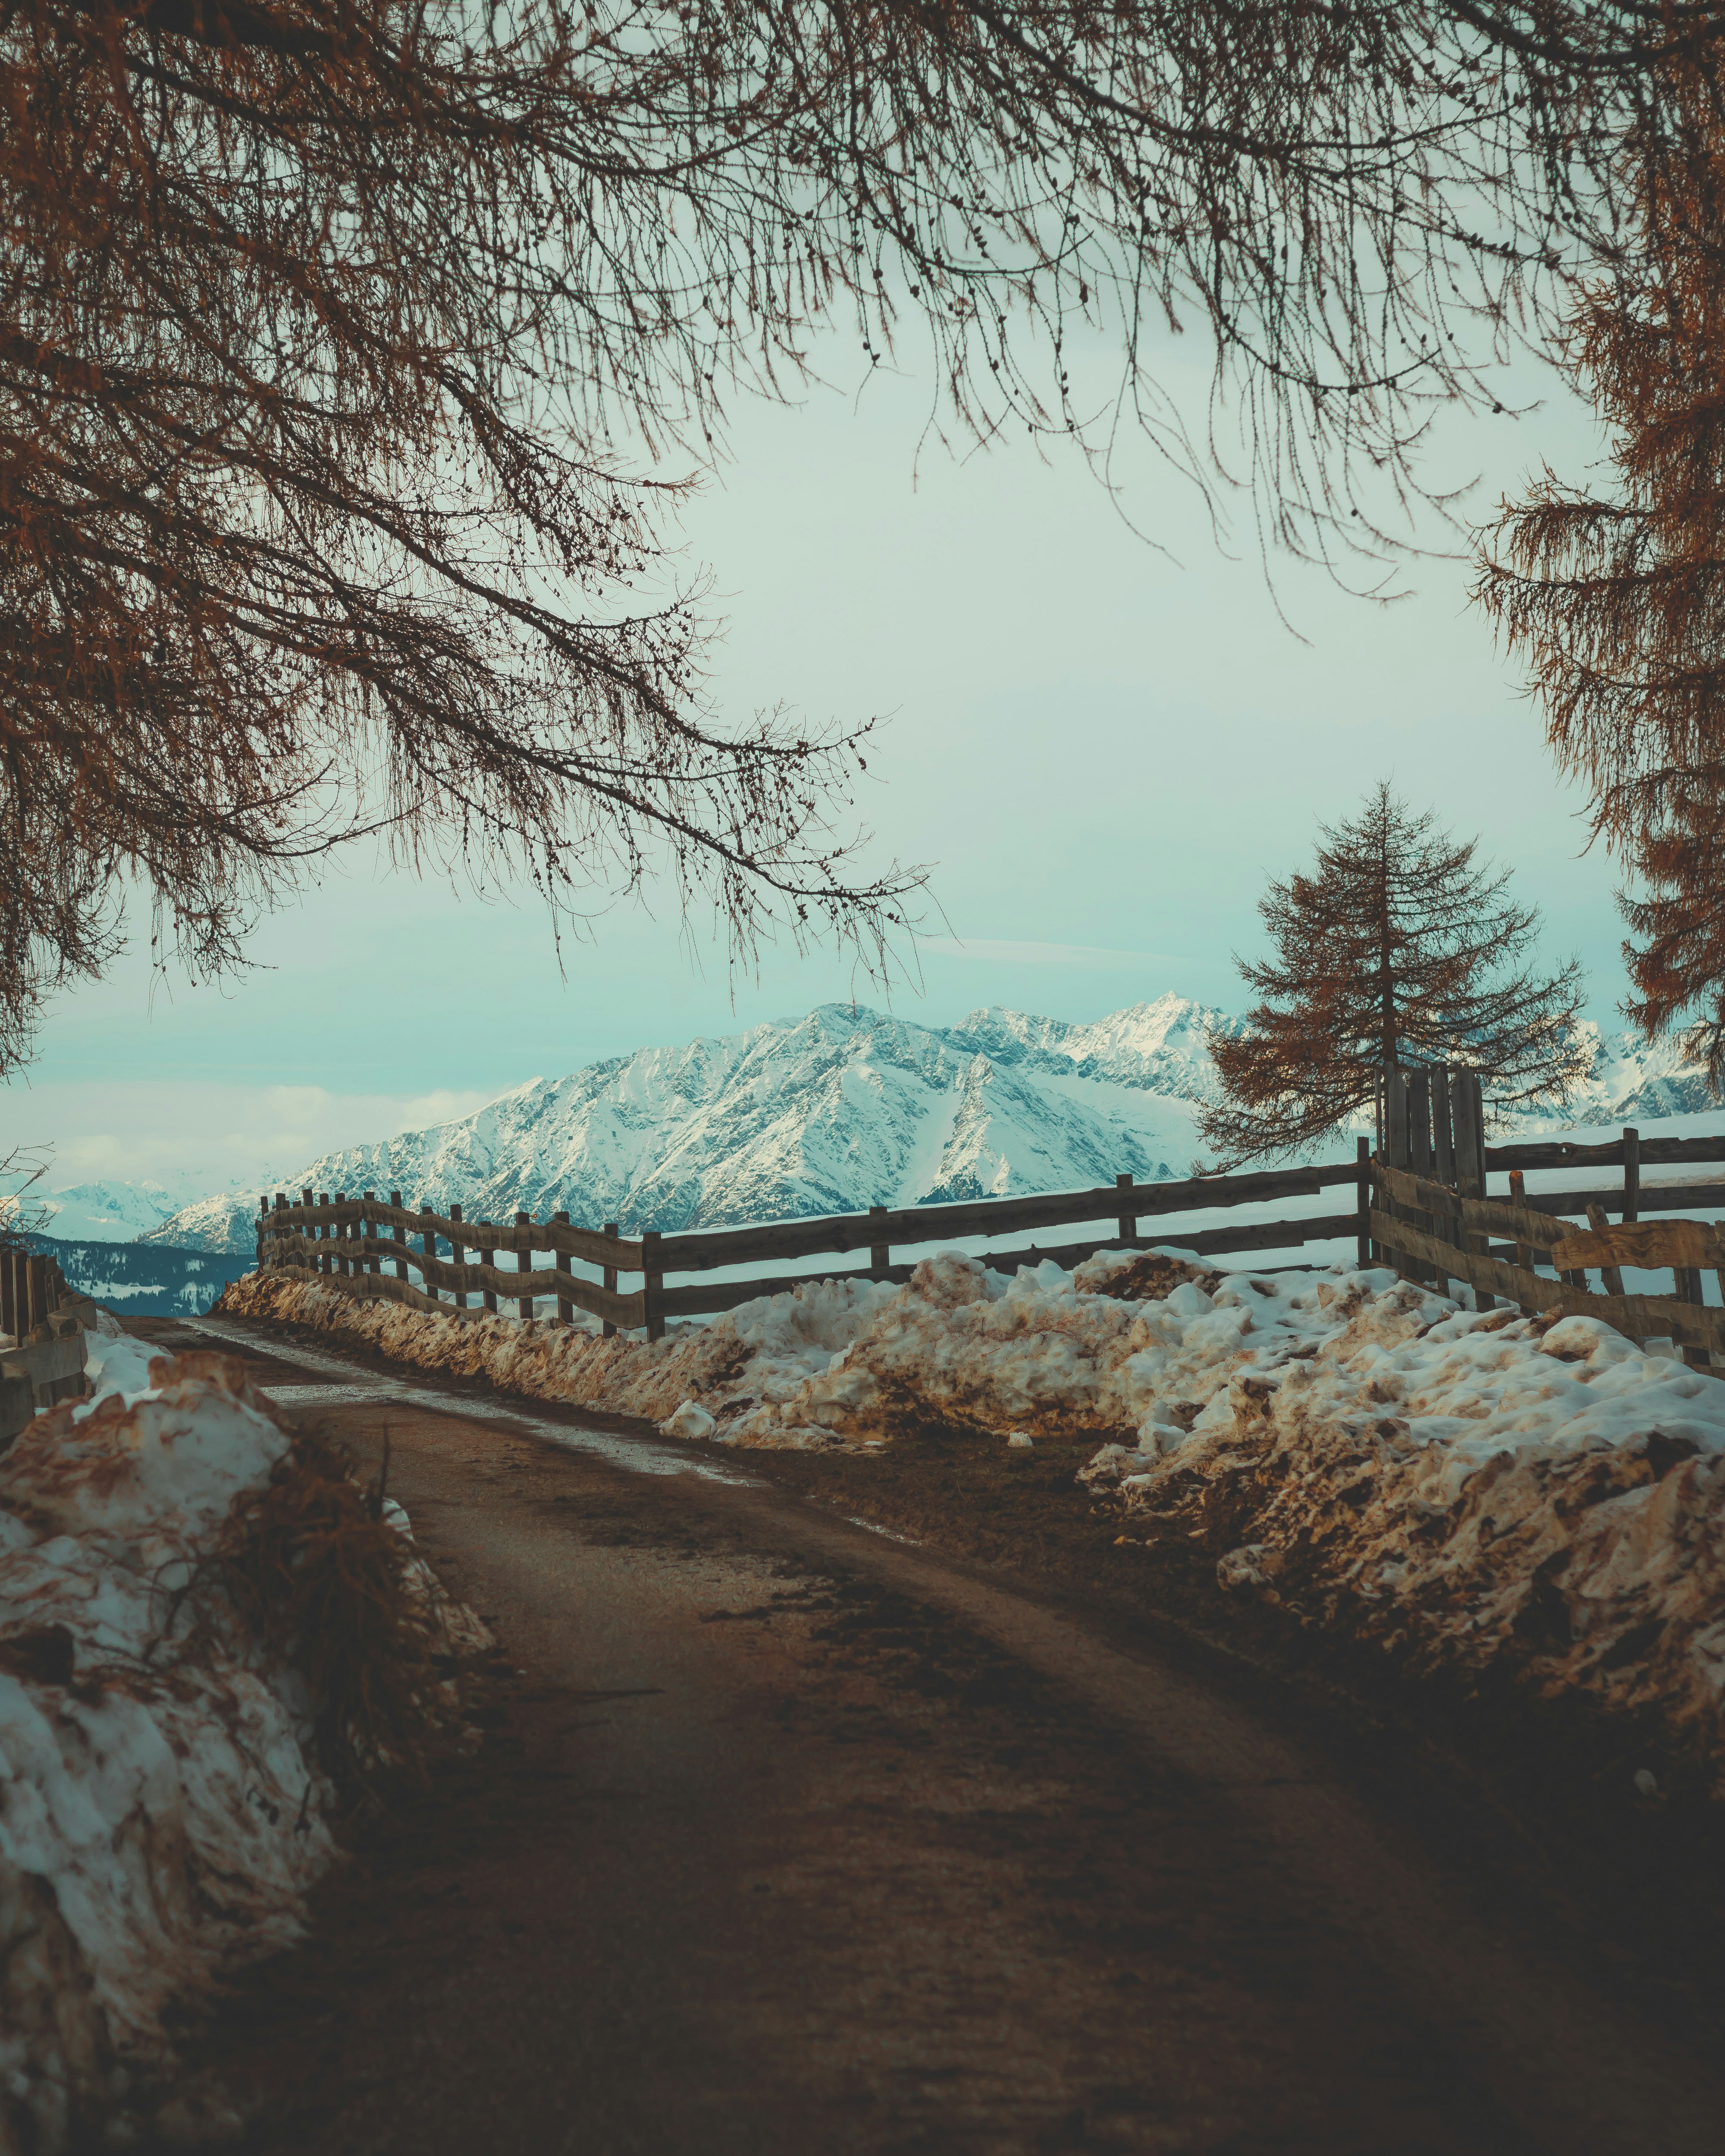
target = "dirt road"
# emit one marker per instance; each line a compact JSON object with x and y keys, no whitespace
{"x":793,"y":1838}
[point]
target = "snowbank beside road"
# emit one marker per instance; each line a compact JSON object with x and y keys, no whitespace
{"x":161,"y":1802}
{"x":1536,"y":1498}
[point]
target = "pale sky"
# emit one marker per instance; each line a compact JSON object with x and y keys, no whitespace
{"x":1104,"y":753}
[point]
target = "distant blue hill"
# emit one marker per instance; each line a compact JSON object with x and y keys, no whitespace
{"x":145,"y":1279}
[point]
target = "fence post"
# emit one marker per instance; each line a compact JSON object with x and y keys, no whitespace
{"x":1689,"y":1290}
{"x":1127,"y":1223}
{"x":1363,"y":1186}
{"x":343,"y":1264}
{"x":1420,"y":1161}
{"x":652,"y":1282}
{"x":1443,"y":1128}
{"x":523,"y":1303}
{"x":880,"y":1253}
{"x":1524,"y":1252}
{"x":428,"y":1249}
{"x":262,"y":1223}
{"x":321,"y":1260}
{"x":565,"y":1309}
{"x":1467,"y":1117}
{"x":1631,"y":1173}
{"x":488,"y":1296}
{"x":609,"y":1276}
{"x":400,"y":1234}
{"x":6,"y":1292}
{"x":276,"y":1230}
{"x":1396,"y":1148}
{"x":458,"y":1257}
{"x":1418,"y":1158}
{"x":1395,"y":1118}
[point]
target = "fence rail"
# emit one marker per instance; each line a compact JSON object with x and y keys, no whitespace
{"x":45,"y":1323}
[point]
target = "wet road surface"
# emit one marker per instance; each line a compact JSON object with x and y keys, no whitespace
{"x":794,"y":1837}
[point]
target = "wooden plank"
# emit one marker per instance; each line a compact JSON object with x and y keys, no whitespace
{"x":565,"y":1307}
{"x":706,"y":1249}
{"x":441,"y":1273}
{"x":653,"y":1283}
{"x":374,"y":1286}
{"x":1523,"y":1224}
{"x":1638,"y":1316}
{"x":45,"y":1361}
{"x":1362,"y":1206}
{"x":1648,"y":1244}
{"x":1204,"y":1242}
{"x":458,"y":1257}
{"x":1609,"y":1273}
{"x":625,"y":1310}
{"x":1631,"y":1173}
{"x":700,"y":1299}
{"x":707,"y":1298}
{"x":1395,"y":1119}
{"x":582,"y":1243}
{"x":1671,"y":1196}
{"x":1443,"y":1137}
{"x":1568,"y":1152}
{"x":523,"y":1303}
{"x":1420,"y":1122}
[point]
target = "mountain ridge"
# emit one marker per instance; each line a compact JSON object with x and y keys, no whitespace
{"x":845,"y":1108}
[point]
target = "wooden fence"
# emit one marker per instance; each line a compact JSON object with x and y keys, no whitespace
{"x":368,"y":1247}
{"x":1432,"y":1217}
{"x":1434,"y":1135}
{"x":46,"y":1324}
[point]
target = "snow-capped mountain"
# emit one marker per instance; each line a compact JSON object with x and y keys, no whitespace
{"x":111,"y":1212}
{"x":1630,"y":1083}
{"x":847,"y":1108}
{"x":843,"y":1109}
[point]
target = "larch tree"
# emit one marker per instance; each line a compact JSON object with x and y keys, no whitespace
{"x":1397,"y":950}
{"x":1615,"y":596}
{"x":336,"y":336}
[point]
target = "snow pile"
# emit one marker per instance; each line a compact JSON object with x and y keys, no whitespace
{"x":1533,"y":1503}
{"x":767,"y":1350}
{"x":161,"y":1813}
{"x":1537,"y":1498}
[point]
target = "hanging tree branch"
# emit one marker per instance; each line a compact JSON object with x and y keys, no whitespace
{"x":324,"y":324}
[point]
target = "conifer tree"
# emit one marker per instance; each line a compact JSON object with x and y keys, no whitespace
{"x":1616,"y":597}
{"x":1396,"y":949}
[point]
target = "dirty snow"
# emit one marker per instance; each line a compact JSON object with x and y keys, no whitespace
{"x":160,"y":1817}
{"x":1540,"y":1495}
